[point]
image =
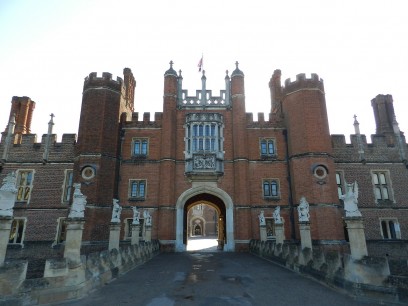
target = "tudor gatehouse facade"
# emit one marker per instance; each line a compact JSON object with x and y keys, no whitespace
{"x":204,"y":149}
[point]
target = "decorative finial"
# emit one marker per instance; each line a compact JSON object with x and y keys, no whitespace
{"x":356,"y":125}
{"x":236,"y":64}
{"x":226,"y":72}
{"x":171,"y":64}
{"x":203,"y":72}
{"x":180,"y":73}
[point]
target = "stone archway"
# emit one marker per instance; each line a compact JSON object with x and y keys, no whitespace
{"x":210,"y":192}
{"x":193,"y":224}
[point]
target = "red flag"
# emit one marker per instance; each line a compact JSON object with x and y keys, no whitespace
{"x":200,"y":64}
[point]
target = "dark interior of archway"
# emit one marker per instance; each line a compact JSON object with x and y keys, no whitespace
{"x":202,"y":198}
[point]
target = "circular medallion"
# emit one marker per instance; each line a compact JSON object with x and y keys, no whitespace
{"x":88,"y":172}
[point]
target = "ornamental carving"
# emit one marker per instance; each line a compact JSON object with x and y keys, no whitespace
{"x":204,"y":162}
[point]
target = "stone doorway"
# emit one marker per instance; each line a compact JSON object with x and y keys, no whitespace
{"x":219,"y":204}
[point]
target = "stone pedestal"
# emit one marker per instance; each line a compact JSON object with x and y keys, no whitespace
{"x":135,"y":234}
{"x":148,"y":234}
{"x":305,"y":237}
{"x":355,"y":229}
{"x":279,"y":233}
{"x":114,"y":236}
{"x":262,"y":232}
{"x":73,"y":239}
{"x":5,"y":226}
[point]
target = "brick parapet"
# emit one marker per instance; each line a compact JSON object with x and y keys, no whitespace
{"x":272,"y":121}
{"x":105,"y":81}
{"x":145,"y":122}
{"x":302,"y":82}
{"x":29,"y":150}
{"x":379,"y":150}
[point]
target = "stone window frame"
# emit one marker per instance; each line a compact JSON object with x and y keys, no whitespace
{"x":270,"y":181}
{"x":265,"y":154}
{"x":61,"y":231}
{"x":16,"y":234}
{"x":341,"y":185}
{"x":394,"y":231}
{"x":137,"y":197}
{"x":127,"y":235}
{"x":67,"y":186}
{"x":196,"y":132}
{"x":22,"y":189}
{"x":388,"y":184}
{"x":204,"y":145}
{"x":141,"y":152}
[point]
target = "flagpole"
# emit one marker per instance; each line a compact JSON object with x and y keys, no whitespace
{"x":201,"y":63}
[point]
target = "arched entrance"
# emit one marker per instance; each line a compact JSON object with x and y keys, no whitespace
{"x":209,"y":195}
{"x":197,"y":230}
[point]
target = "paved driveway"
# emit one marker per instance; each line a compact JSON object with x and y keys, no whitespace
{"x":203,"y":278}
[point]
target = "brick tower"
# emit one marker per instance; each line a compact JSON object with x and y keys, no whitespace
{"x":167,"y":169}
{"x":239,"y":151}
{"x":311,"y":164}
{"x":106,"y":103}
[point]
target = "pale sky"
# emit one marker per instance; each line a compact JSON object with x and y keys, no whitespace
{"x":48,"y":47}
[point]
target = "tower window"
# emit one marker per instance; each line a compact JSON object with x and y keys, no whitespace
{"x":140,"y":147}
{"x":267,"y":147}
{"x":204,"y":143}
{"x":203,"y":138}
{"x":270,"y":188}
{"x":137,"y":190}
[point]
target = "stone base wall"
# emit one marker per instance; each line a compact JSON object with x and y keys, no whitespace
{"x":37,"y":252}
{"x":64,"y":280}
{"x":368,"y":279}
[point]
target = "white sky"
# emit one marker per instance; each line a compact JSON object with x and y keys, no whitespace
{"x":359,"y":48}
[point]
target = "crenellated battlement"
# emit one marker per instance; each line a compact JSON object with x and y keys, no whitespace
{"x":302,"y":82}
{"x":145,"y":120}
{"x":381,"y":149}
{"x":106,"y":81}
{"x":31,"y":151}
{"x":272,"y":122}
